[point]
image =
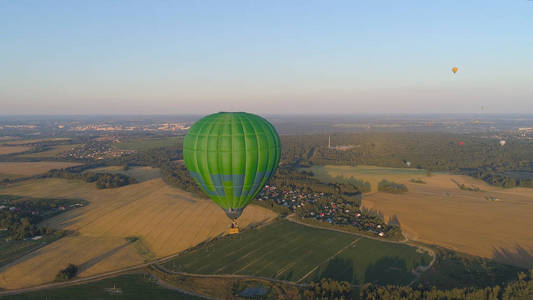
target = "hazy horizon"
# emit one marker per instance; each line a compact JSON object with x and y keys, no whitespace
{"x":288,"y":114}
{"x":301,"y":58}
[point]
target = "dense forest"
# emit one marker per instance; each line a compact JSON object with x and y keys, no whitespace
{"x":481,"y":157}
{"x":328,"y":289}
{"x":522,"y":288}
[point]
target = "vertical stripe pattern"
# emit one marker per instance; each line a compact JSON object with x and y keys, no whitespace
{"x":231,"y":155}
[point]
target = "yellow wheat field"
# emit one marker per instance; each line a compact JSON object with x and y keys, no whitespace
{"x":494,"y":223}
{"x":370,"y":174}
{"x":32,"y":168}
{"x":168,"y":221}
{"x":53,"y":152}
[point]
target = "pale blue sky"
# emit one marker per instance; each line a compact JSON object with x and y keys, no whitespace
{"x":125,"y":57}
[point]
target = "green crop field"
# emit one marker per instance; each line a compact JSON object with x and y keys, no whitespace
{"x":284,"y":250}
{"x":376,"y":262}
{"x":135,"y":286}
{"x":141,"y":144}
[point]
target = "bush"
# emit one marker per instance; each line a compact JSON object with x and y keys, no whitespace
{"x":68,"y":273}
{"x":361,"y":185}
{"x":417,"y":181}
{"x":391,"y":187}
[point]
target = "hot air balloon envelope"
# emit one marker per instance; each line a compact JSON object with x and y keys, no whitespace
{"x":454,"y":70}
{"x":231,"y":155}
{"x":502,"y":143}
{"x":461,"y":143}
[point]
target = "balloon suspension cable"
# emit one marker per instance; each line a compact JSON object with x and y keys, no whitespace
{"x":233,"y":213}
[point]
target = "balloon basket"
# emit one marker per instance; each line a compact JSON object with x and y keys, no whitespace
{"x":234,"y":229}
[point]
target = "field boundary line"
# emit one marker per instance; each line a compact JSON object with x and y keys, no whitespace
{"x":164,"y":270}
{"x":288,"y":244}
{"x":250,"y":252}
{"x":258,"y":258}
{"x":170,"y":286}
{"x":114,"y":273}
{"x":417,"y":271}
{"x":291,"y":218}
{"x":329,"y":258}
{"x":156,"y":265}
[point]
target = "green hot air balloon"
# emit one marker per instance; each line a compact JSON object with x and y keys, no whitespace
{"x":231,"y":155}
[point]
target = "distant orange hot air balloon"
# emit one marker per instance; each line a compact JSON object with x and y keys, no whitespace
{"x":454,"y":70}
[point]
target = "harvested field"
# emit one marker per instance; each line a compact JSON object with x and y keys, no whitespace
{"x":35,"y":141}
{"x":9,"y":176}
{"x":50,"y":259}
{"x":493,"y":223}
{"x":55,"y":151}
{"x":11,"y":250}
{"x":32,"y":168}
{"x":371,"y":174}
{"x":167,"y":219}
{"x":13,"y":149}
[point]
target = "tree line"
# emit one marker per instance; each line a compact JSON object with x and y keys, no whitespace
{"x":498,"y":178}
{"x":521,"y":288}
{"x":477,"y":156}
{"x":102,"y":180}
{"x":20,"y":216}
{"x":391,"y":187}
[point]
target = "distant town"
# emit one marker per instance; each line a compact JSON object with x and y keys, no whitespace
{"x":491,"y":126}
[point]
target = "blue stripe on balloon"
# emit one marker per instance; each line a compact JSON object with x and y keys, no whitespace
{"x":217,"y":181}
{"x":236,"y":180}
{"x":202,"y":184}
